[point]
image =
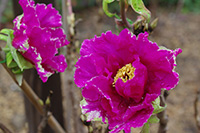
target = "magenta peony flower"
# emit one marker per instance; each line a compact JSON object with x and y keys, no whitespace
{"x":121,"y":75}
{"x":37,"y":35}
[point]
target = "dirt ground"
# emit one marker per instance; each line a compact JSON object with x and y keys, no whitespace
{"x":173,"y":31}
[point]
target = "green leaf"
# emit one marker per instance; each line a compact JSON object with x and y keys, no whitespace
{"x":157,"y":107}
{"x":18,"y":58}
{"x":17,"y":70}
{"x":6,"y":48}
{"x":19,"y":78}
{"x":145,"y":128}
{"x":153,"y":119}
{"x":105,"y":8}
{"x":13,"y":51}
{"x":9,"y":59}
{"x":3,"y":61}
{"x":3,"y":37}
{"x":139,"y":7}
{"x":24,"y":63}
{"x":12,"y":64}
{"x":130,"y":21}
{"x":7,"y":31}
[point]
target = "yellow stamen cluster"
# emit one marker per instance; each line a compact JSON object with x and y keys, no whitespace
{"x":125,"y":73}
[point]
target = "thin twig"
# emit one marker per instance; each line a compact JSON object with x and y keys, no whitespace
{"x":43,"y":122}
{"x":47,"y":113}
{"x":123,"y":14}
{"x":35,"y":100}
{"x":4,"y":128}
{"x":162,"y":115}
{"x":197,"y":109}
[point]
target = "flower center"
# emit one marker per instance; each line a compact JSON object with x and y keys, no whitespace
{"x":125,"y":73}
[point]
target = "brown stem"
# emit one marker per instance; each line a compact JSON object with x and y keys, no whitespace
{"x":68,"y":18}
{"x":162,"y":115}
{"x":47,"y":113}
{"x":34,"y":99}
{"x":4,"y":128}
{"x":123,"y":14}
{"x":43,"y":123}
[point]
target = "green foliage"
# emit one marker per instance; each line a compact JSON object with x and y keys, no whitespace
{"x":105,"y":7}
{"x":14,"y":60}
{"x":146,"y":127}
{"x":111,"y":7}
{"x":188,"y":5}
{"x":157,"y":107}
{"x":139,"y":7}
{"x":191,"y":6}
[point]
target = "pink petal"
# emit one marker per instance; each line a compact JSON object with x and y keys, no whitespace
{"x":48,"y":16}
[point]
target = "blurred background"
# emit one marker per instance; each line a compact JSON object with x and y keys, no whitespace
{"x":178,"y":27}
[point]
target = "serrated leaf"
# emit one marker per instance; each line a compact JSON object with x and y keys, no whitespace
{"x":105,"y":8}
{"x":19,"y":78}
{"x":139,"y":7}
{"x":157,"y":107}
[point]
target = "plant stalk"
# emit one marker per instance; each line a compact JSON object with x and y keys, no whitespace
{"x":123,"y":14}
{"x":35,"y":100}
{"x":162,"y":115}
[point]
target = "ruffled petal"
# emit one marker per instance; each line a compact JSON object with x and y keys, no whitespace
{"x":57,"y":63}
{"x":20,"y":41}
{"x":41,"y":40}
{"x":58,"y":36}
{"x":38,"y":30}
{"x":110,"y":45}
{"x":135,"y":115}
{"x":33,"y":56}
{"x":159,"y":64}
{"x":128,"y":104}
{"x":48,"y":16}
{"x":29,"y":16}
{"x":133,"y":88}
{"x":85,"y":70}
